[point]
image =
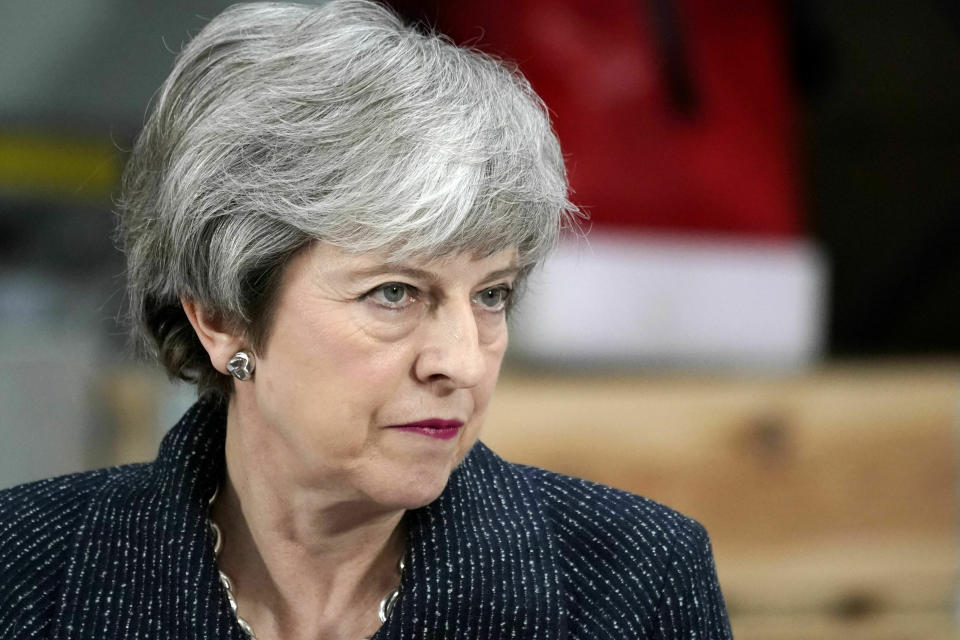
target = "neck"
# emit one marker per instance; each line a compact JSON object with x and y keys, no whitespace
{"x":301,"y":558}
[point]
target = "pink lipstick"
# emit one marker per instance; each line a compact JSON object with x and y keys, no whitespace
{"x":434,"y":427}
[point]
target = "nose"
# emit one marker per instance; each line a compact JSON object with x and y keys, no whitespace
{"x":451,"y":354}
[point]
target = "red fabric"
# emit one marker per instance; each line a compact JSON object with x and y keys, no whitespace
{"x":633,"y":159}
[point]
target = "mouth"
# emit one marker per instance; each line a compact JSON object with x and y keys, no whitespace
{"x":433,"y":428}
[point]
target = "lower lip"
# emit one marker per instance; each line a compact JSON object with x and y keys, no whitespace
{"x":439,"y":434}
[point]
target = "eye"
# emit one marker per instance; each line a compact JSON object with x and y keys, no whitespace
{"x":494,"y":298}
{"x":393,"y":295}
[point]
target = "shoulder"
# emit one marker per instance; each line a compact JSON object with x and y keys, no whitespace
{"x":33,"y":507}
{"x":38,"y":525}
{"x":640,"y":565}
{"x":592,"y":513}
{"x":584,"y":513}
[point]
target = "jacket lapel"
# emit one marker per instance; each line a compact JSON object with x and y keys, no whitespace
{"x":481,"y":561}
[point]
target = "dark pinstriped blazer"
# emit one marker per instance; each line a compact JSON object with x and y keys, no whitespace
{"x":506,"y":551}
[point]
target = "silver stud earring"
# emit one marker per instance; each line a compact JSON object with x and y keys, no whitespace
{"x":241,"y":365}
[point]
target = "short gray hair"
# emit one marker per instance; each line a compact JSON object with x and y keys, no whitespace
{"x":283,"y":124}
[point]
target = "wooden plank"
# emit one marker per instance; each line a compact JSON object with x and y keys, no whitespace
{"x":933,"y":625}
{"x":837,"y":486}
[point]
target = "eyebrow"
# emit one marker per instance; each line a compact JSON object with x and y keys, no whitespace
{"x":422,"y":274}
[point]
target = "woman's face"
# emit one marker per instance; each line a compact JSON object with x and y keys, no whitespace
{"x":358,"y":347}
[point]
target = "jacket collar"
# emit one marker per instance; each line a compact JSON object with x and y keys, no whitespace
{"x":480,"y":559}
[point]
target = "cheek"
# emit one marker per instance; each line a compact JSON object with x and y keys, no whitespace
{"x":367,"y":352}
{"x":484,"y":391}
{"x":482,"y":395}
{"x":385,"y":326}
{"x":356,"y":374}
{"x":313,"y":359}
{"x":492,"y":332}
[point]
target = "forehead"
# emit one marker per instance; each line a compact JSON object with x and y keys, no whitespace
{"x":331,"y":261}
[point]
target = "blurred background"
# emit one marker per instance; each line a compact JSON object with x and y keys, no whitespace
{"x":762,"y":330}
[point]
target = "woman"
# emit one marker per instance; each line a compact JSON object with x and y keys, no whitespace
{"x":326,"y":218}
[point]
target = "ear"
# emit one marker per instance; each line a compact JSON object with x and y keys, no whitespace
{"x":220,"y":341}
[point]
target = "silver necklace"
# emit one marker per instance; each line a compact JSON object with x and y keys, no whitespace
{"x":386,"y":605}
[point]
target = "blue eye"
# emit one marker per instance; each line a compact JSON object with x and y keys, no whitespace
{"x":494,"y":298}
{"x":393,"y":295}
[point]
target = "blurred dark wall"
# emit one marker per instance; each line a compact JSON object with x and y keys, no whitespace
{"x":881,"y":141}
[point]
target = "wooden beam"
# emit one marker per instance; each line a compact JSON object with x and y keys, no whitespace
{"x":818,"y":490}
